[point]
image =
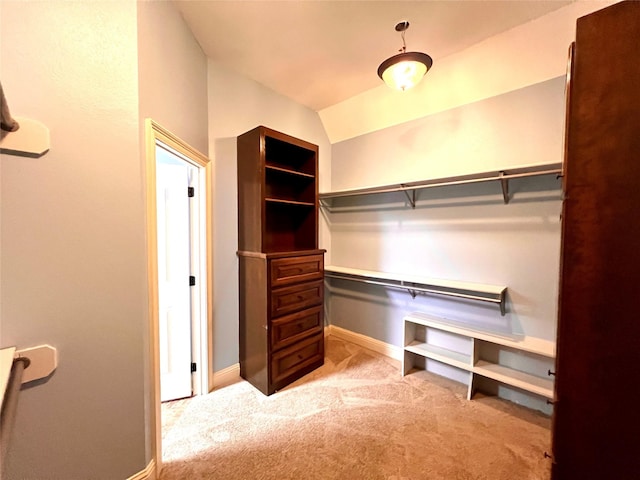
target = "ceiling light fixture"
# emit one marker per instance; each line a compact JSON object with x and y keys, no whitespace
{"x":406,"y":69}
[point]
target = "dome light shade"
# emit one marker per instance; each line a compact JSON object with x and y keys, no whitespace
{"x":406,"y":69}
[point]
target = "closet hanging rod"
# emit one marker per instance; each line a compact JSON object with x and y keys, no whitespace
{"x":497,"y":296}
{"x":10,"y":403}
{"x":499,"y":176}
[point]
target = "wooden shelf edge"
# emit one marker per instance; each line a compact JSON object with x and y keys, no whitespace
{"x":290,"y":171}
{"x":280,"y":201}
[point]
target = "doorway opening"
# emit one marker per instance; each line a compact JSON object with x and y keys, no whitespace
{"x":178,"y":189}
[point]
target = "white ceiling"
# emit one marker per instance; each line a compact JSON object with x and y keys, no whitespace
{"x":321,"y":52}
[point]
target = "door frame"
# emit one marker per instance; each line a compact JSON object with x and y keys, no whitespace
{"x":155,"y":133}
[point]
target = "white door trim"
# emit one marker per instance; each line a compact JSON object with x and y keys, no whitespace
{"x":155,"y":133}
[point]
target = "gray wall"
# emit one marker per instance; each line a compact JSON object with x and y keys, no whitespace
{"x":73,"y":239}
{"x":522,"y":127}
{"x":463,"y":233}
{"x":172,"y":71}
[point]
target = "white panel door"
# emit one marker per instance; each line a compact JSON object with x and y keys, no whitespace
{"x":174,"y":292}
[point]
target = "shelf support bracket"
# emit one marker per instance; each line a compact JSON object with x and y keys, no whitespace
{"x":411,"y":198}
{"x":503,"y":308}
{"x":505,"y":188}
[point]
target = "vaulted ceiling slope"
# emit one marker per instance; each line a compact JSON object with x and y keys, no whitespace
{"x":320,"y":53}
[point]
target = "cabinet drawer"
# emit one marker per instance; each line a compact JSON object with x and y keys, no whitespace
{"x":285,"y":271}
{"x":291,"y":328}
{"x":297,"y":297}
{"x":304,"y":355}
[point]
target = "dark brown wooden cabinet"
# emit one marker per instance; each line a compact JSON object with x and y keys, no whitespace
{"x":281,"y":267}
{"x":596,"y":414}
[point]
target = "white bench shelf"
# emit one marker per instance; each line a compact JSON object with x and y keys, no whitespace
{"x":416,"y":284}
{"x":479,"y":358}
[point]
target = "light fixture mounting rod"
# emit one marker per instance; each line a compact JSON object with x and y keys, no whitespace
{"x":402,"y":27}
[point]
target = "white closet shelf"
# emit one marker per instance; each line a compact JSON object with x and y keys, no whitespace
{"x":537,"y":346}
{"x":515,"y":378}
{"x":409,"y":188}
{"x":417,"y":284}
{"x":440,"y":354}
{"x":473,"y":362}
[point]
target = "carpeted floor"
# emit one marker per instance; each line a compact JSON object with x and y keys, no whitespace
{"x":354,"y":418}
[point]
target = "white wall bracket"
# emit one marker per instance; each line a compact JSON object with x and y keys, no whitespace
{"x":30,"y":140}
{"x":43,"y":362}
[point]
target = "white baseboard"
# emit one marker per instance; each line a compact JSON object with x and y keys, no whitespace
{"x":149,"y":473}
{"x":366,"y":342}
{"x":226,"y":376}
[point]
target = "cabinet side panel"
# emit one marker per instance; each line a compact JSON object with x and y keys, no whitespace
{"x":596,"y":413}
{"x":253,"y":321}
{"x":250,"y":191}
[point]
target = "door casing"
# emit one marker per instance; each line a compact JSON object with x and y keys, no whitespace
{"x":155,"y":133}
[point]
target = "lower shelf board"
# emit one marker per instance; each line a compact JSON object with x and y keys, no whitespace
{"x":440,"y":354}
{"x":515,"y":378}
{"x":500,"y":373}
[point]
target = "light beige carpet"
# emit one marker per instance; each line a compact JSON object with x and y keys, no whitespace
{"x":354,"y":418}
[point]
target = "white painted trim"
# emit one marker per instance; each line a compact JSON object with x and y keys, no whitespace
{"x":226,"y":376}
{"x":149,"y":473}
{"x":378,"y":346}
{"x":153,"y":133}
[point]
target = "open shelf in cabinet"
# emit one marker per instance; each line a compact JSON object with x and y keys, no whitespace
{"x":288,"y":156}
{"x":284,"y":185}
{"x":290,"y":226}
{"x":498,"y":358}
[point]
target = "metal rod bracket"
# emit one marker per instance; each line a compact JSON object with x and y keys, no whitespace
{"x":505,"y":189}
{"x":411,"y":198}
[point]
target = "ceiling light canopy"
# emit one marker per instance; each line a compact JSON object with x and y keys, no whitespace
{"x":406,"y":69}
